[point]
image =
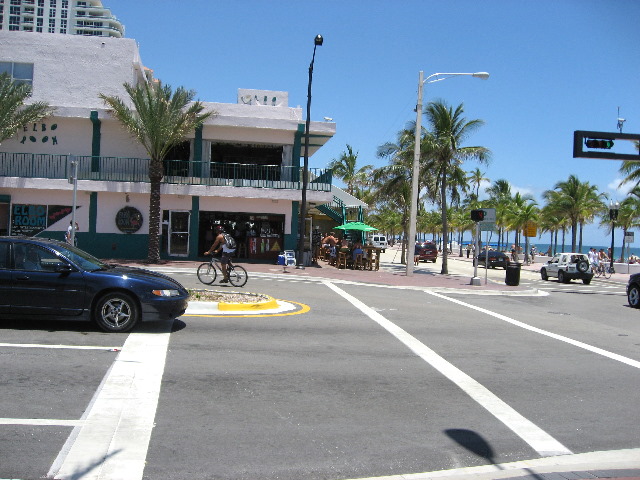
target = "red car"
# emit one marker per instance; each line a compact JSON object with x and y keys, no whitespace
{"x":427,"y":252}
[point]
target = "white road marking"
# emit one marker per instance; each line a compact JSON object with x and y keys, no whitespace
{"x":571,"y":465}
{"x":538,"y":439}
{"x":112,"y":443}
{"x":40,"y":422}
{"x":562,"y":338}
{"x":71,"y":347}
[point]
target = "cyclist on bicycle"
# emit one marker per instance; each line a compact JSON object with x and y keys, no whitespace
{"x":602,"y":257}
{"x":220,"y":243}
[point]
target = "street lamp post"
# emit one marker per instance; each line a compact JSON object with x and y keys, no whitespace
{"x":613,"y":216}
{"x":413,"y":212}
{"x":305,"y":171}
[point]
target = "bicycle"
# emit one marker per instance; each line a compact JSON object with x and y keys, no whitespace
{"x":208,"y":272}
{"x":603,"y":269}
{"x":597,"y":270}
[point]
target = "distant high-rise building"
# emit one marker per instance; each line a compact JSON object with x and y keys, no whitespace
{"x":74,"y":17}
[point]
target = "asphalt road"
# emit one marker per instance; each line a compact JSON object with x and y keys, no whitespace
{"x":357,"y":381}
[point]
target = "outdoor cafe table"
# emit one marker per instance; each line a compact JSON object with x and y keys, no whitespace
{"x":374,"y":263}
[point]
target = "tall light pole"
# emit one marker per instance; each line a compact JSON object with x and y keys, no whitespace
{"x":305,"y":171}
{"x":613,"y":216}
{"x":413,"y":212}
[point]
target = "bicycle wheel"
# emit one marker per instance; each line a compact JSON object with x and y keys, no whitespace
{"x":608,"y":271}
{"x":237,"y":276}
{"x":207,"y":273}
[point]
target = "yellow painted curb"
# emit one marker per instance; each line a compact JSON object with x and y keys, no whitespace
{"x":265,"y":305}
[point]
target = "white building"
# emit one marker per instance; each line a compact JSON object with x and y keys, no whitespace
{"x":74,"y":17}
{"x":242,"y":168}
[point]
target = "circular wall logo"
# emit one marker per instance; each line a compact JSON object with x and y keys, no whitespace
{"x":129,"y":220}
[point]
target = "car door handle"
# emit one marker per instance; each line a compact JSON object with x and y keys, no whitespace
{"x":22,"y":277}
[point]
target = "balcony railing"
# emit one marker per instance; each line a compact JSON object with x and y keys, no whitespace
{"x":178,"y":172}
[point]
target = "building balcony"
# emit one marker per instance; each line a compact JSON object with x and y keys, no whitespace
{"x":177,"y":172}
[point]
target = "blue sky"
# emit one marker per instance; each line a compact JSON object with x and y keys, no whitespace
{"x":556,"y":66}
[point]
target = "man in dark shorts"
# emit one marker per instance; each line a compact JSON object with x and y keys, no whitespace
{"x":220,"y":243}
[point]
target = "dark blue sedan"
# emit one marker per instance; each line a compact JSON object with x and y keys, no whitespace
{"x":46,"y":278}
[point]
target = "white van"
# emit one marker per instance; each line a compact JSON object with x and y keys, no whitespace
{"x":378,"y":241}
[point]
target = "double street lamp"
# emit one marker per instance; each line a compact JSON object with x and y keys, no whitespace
{"x":613,"y":216}
{"x":305,"y":171}
{"x":437,"y":77}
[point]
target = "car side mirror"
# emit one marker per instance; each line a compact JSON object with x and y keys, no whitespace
{"x":64,"y":268}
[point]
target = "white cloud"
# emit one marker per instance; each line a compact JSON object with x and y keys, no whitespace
{"x":619,"y":190}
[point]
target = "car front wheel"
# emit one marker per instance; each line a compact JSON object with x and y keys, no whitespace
{"x":543,"y":274}
{"x":634,"y":296}
{"x":116,"y":312}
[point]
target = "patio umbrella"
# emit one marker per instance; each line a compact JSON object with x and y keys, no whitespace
{"x":359,"y":226}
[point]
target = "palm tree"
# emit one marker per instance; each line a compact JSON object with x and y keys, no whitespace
{"x":631,"y":168}
{"x":476,"y":177}
{"x":569,"y":199}
{"x":443,"y":153}
{"x":394,"y":180}
{"x":628,"y":217}
{"x":520,"y":214}
{"x":13,"y":111}
{"x":344,"y":167}
{"x":161,"y":120}
{"x":499,"y":198}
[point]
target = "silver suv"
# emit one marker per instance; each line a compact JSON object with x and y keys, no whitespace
{"x":567,"y":267}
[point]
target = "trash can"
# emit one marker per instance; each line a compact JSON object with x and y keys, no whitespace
{"x":512,"y":277}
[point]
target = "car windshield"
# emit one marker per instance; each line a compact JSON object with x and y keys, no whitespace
{"x":81,"y":258}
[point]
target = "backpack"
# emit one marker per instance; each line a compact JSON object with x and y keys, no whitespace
{"x":230,"y":242}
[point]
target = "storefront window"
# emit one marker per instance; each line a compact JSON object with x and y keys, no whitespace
{"x":259,"y":236}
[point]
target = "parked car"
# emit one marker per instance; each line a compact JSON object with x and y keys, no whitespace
{"x":633,"y":290}
{"x":378,"y":241}
{"x":496,"y":259}
{"x":42,"y":278}
{"x":427,"y":252}
{"x":568,"y":266}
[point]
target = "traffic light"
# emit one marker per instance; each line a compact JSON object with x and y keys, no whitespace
{"x":598,"y":143}
{"x":477,"y":215}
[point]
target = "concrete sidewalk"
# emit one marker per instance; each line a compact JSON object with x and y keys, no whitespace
{"x":392,"y":273}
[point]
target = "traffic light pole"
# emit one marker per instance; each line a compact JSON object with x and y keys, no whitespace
{"x":476,"y":280}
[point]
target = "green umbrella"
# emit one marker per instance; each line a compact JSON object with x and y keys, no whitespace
{"x":359,"y":226}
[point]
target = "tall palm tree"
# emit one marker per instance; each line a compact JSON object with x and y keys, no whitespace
{"x":345,"y":167}
{"x":569,"y":199}
{"x":14,"y":113}
{"x":160,"y":120}
{"x":448,"y":129}
{"x":499,"y":198}
{"x":519,"y":215}
{"x":394,"y":180}
{"x":476,"y":177}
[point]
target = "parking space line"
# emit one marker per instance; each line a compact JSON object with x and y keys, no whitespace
{"x":114,"y":439}
{"x":41,"y":422}
{"x":538,"y":439}
{"x":70,"y":347}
